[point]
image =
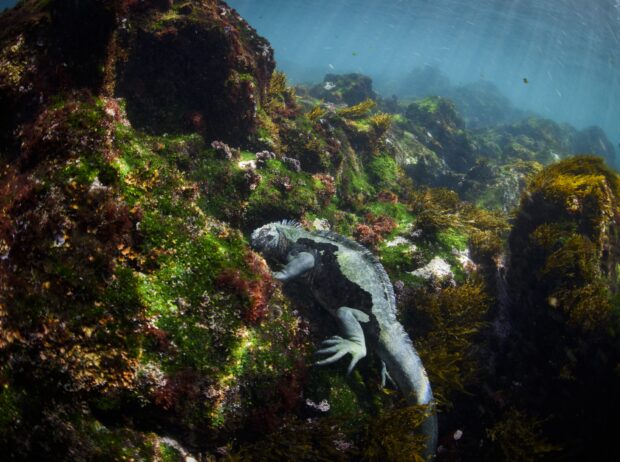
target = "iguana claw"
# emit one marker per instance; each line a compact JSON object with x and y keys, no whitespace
{"x":339,"y":347}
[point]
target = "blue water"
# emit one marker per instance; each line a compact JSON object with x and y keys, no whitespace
{"x":6,"y":4}
{"x":568,"y":50}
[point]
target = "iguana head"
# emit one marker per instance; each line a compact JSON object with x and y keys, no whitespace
{"x":269,"y":241}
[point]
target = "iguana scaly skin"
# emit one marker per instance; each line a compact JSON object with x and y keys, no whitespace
{"x":349,"y":282}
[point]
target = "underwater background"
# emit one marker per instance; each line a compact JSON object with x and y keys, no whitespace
{"x":468,"y":148}
{"x":568,"y":50}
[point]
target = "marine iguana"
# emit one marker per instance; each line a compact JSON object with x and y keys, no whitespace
{"x":348,"y":281}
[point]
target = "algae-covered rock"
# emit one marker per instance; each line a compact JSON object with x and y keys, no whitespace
{"x":531,"y":139}
{"x":199,"y":69}
{"x":120,"y":294}
{"x":440,"y":128}
{"x":565,"y":240}
{"x":480,"y":103}
{"x":423,"y":165}
{"x":493,"y":185}
{"x":483,"y":105}
{"x":46,"y":48}
{"x":563,"y":278}
{"x":350,"y":89}
{"x":190,"y":67}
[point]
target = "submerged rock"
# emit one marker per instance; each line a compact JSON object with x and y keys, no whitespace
{"x":437,"y":269}
{"x":349,"y":89}
{"x":202,"y":70}
{"x":563,"y":280}
{"x":440,"y":128}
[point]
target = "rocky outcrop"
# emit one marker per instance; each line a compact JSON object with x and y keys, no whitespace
{"x":182,"y":68}
{"x":563,"y":282}
{"x":440,"y":128}
{"x":47,"y":48}
{"x":350,"y":89}
{"x":192,"y":68}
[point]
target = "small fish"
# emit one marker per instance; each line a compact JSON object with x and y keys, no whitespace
{"x":558,"y":92}
{"x":354,"y":53}
{"x":525,"y":81}
{"x":331,"y":66}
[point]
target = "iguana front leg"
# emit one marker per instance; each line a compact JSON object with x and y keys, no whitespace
{"x":298,"y":264}
{"x":353,"y":341}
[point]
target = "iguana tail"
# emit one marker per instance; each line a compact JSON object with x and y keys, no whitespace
{"x":406,"y":370}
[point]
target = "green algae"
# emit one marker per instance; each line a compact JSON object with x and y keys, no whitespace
{"x":579,"y":197}
{"x":520,"y":437}
{"x":386,"y":438}
{"x":453,"y":319}
{"x":281,"y":194}
{"x":396,"y":210}
{"x":452,"y":239}
{"x":384,"y":173}
{"x":398,"y":261}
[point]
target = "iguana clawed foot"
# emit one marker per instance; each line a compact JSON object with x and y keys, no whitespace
{"x":385,"y":376}
{"x":339,"y":347}
{"x":349,"y":320}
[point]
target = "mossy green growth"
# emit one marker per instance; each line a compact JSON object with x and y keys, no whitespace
{"x":453,"y":239}
{"x":282,"y":194}
{"x":347,"y":398}
{"x":196,"y":279}
{"x":519,"y":437}
{"x":165,"y":19}
{"x":169,"y":454}
{"x":570,"y":208}
{"x":354,"y":187}
{"x":391,"y":435}
{"x":384,"y":172}
{"x":453,"y":318}
{"x":118,"y":444}
{"x":429,"y":104}
{"x":397,"y":210}
{"x":398,"y":119}
{"x":398,"y":260}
